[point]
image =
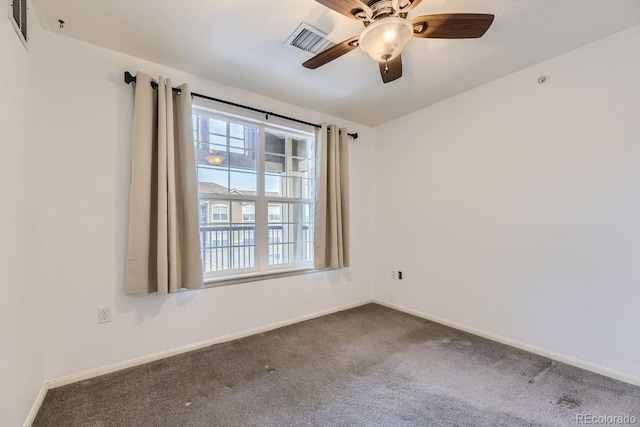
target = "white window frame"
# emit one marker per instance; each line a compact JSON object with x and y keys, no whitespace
{"x":261,"y":201}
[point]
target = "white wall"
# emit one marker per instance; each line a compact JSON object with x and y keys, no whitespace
{"x":21,"y":376}
{"x":514,"y":209}
{"x":86,"y":125}
{"x":511,"y":209}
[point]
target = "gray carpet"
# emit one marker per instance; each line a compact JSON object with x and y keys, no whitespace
{"x":369,"y":366}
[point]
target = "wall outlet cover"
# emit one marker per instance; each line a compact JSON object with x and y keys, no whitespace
{"x":104,"y":314}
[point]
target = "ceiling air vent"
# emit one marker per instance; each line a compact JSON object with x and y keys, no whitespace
{"x":309,"y":39}
{"x":18,"y":16}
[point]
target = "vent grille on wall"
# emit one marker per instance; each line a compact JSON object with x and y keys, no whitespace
{"x":18,"y":15}
{"x":309,"y":39}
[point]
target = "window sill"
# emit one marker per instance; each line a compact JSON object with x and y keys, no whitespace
{"x":255,"y":277}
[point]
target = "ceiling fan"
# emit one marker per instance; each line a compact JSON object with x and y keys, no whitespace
{"x":387,"y":31}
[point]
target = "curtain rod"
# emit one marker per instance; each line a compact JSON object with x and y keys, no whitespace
{"x":128,"y":78}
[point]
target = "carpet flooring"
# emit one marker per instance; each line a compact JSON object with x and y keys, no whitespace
{"x":368,"y":366}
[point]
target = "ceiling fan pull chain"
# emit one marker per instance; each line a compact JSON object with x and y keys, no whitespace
{"x":386,"y":66}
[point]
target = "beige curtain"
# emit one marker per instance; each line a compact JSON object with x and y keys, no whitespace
{"x":331,"y":231}
{"x":164,"y":240}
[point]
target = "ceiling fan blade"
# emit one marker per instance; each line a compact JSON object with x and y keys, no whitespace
{"x":410,"y":6}
{"x":354,"y":9}
{"x":332,"y":53}
{"x":452,"y":25}
{"x":391,"y":70}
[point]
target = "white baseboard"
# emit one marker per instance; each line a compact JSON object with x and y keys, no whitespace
{"x":36,"y":405}
{"x":59,"y":382}
{"x":621,"y":376}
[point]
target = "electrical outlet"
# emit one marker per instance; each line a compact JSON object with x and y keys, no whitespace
{"x":104,"y":314}
{"x":393,"y":274}
{"x":349,"y":275}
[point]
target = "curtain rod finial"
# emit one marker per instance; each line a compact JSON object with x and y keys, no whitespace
{"x":128,"y":78}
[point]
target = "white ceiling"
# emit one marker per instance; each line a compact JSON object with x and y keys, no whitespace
{"x":241,"y":43}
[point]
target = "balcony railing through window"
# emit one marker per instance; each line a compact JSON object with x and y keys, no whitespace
{"x":234,"y":247}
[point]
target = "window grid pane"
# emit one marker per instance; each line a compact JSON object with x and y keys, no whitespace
{"x":228,"y":247}
{"x":290,"y":233}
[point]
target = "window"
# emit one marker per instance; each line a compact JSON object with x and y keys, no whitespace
{"x":259,"y":190}
{"x":203,"y":213}
{"x":220,"y":213}
{"x":249,"y":213}
{"x":274,"y":213}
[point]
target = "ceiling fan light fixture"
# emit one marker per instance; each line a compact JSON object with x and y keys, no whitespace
{"x":215,"y":159}
{"x":384,"y":39}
